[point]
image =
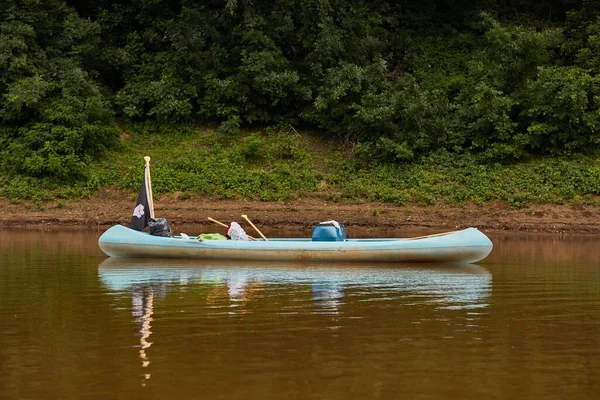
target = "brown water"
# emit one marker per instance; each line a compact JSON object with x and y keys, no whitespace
{"x":523,"y":324}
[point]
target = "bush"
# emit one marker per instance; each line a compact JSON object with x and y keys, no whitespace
{"x":54,"y":117}
{"x":562,"y":111}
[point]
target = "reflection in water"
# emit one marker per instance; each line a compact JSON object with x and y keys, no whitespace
{"x":143,"y":295}
{"x":330,"y":293}
{"x":143,"y":308}
{"x":455,"y":286}
{"x":327,"y":296}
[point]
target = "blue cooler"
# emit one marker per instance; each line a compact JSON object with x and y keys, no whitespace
{"x":328,"y":233}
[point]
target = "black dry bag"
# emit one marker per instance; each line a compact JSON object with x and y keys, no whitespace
{"x":160,"y":227}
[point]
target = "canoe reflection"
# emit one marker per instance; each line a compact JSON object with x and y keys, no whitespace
{"x":452,"y":285}
{"x":230,"y":288}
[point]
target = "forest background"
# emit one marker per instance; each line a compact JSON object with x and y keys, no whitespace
{"x":401,"y":102}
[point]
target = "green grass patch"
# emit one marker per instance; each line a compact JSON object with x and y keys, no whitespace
{"x":190,"y":160}
{"x":452,"y":179}
{"x":282,"y":166}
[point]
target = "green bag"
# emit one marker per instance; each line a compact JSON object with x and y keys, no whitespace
{"x":211,"y":236}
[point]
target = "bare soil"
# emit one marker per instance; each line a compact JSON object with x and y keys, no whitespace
{"x":111,"y":207}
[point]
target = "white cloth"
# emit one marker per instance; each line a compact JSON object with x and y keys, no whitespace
{"x":235,"y":232}
{"x":186,"y":237}
{"x":334,"y":223}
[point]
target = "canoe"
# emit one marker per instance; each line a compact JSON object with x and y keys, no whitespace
{"x":464,"y":246}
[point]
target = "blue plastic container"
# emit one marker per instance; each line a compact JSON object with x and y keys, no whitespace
{"x":328,"y":233}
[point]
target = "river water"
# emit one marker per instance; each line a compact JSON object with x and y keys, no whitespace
{"x":522,"y":324}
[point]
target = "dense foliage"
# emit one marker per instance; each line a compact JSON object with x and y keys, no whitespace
{"x":53,"y":115}
{"x":498,"y":81}
{"x":283,"y":165}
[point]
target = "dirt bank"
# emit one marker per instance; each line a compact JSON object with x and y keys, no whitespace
{"x":111,"y":207}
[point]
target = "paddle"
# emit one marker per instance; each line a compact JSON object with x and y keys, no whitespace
{"x":255,"y":228}
{"x":428,"y":236}
{"x":222,"y":224}
{"x":150,"y":199}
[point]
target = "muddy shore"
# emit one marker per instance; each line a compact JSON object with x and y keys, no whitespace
{"x":113,"y":207}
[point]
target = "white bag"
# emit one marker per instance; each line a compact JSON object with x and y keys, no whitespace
{"x":235,"y":232}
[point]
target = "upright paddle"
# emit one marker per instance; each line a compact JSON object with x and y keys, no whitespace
{"x":255,"y":228}
{"x":150,"y":199}
{"x":222,"y":224}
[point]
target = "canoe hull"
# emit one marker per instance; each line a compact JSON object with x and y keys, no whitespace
{"x":466,"y":246}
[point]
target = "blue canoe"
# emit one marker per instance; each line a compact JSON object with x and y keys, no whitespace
{"x":465,"y":246}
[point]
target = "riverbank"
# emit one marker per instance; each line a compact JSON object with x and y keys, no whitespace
{"x":109,"y":207}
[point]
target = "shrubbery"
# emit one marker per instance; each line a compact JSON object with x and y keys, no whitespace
{"x":53,"y":116}
{"x":400,"y":80}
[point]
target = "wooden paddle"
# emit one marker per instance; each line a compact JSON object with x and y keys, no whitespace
{"x":226,"y":226}
{"x":149,"y":182}
{"x":428,"y":236}
{"x":255,"y":228}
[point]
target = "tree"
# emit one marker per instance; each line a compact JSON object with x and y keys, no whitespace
{"x":53,"y":115}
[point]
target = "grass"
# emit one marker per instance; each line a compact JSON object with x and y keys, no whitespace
{"x":287,"y":165}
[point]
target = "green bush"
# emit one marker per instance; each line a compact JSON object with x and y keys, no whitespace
{"x":53,"y":117}
{"x":562,"y":111}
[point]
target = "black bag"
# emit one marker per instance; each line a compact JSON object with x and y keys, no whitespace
{"x":160,"y":227}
